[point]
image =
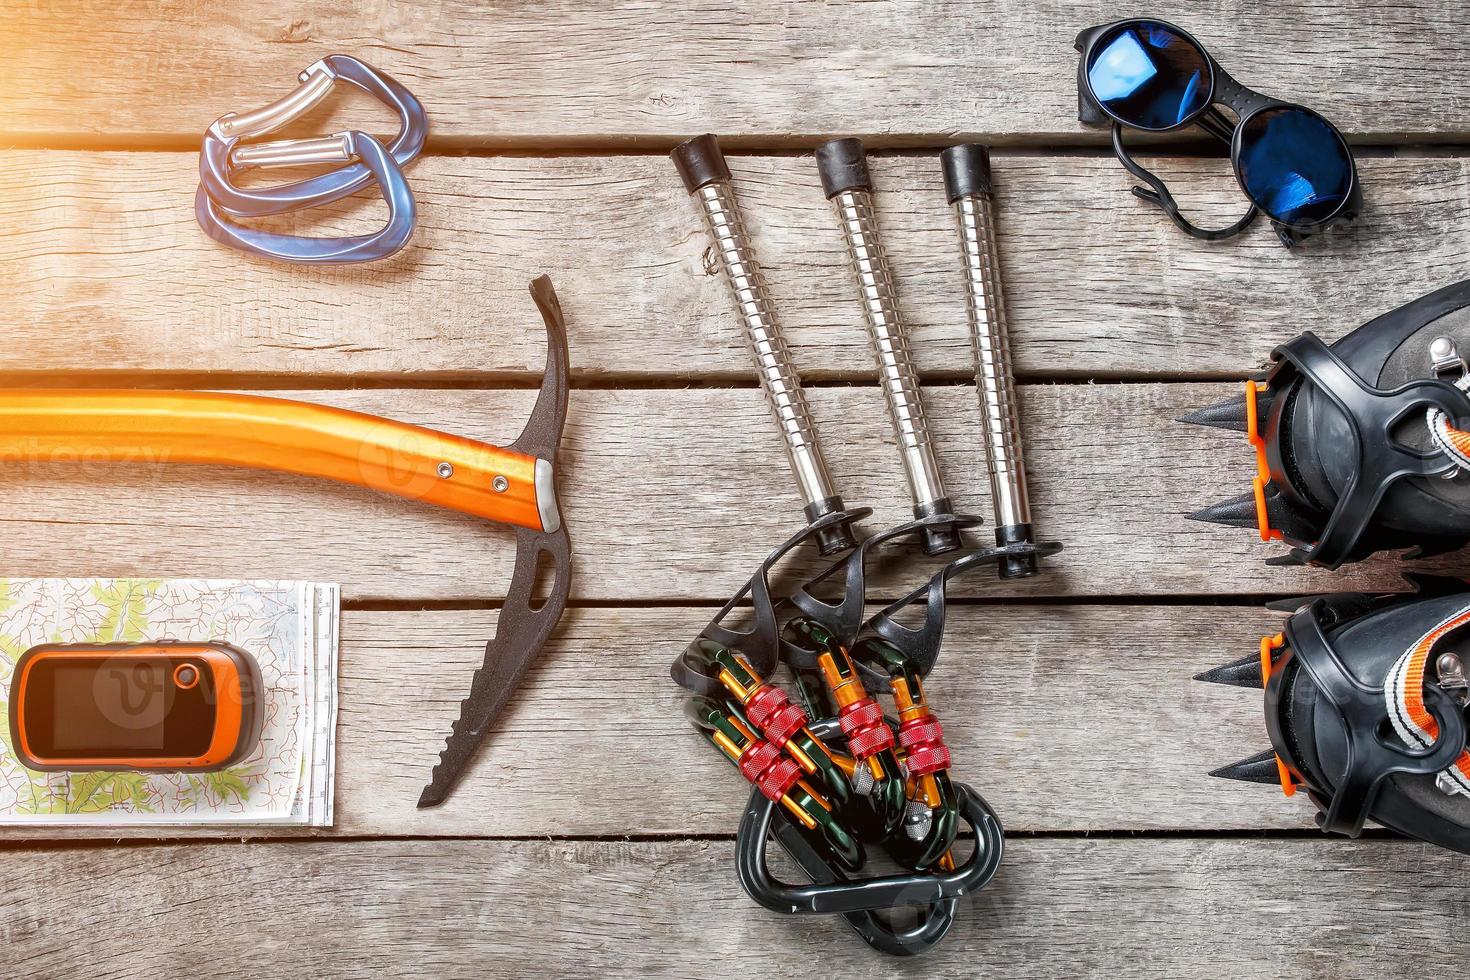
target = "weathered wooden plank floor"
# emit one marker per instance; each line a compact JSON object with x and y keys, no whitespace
{"x":1101,"y":291}
{"x":594,"y":835}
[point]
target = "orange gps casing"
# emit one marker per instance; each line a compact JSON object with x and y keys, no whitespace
{"x":147,"y":707}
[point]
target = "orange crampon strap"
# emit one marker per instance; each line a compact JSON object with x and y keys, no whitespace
{"x":1453,"y":442}
{"x":1263,"y":470}
{"x":1269,"y":646}
{"x":1405,"y":695}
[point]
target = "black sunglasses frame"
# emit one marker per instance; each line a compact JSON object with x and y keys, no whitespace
{"x":1224,"y":90}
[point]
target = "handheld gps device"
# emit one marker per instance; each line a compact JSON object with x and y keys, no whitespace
{"x":151,"y":707}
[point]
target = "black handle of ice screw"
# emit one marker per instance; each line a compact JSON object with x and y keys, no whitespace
{"x":966,"y":171}
{"x":700,"y":162}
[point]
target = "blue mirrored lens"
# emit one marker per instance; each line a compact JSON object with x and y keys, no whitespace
{"x":1148,"y":76}
{"x":1294,"y":166}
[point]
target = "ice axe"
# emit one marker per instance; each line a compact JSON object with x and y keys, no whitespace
{"x":512,"y":485}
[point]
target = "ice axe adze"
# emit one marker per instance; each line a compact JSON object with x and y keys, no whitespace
{"x":513,"y":485}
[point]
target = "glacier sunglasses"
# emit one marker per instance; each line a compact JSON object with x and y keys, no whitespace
{"x":1293,"y":165}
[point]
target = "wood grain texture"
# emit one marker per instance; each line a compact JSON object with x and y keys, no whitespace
{"x":107,"y":271}
{"x":1065,"y":718}
{"x":1075,"y":908}
{"x":771,"y":72}
{"x":592,"y":835}
{"x":677,"y":495}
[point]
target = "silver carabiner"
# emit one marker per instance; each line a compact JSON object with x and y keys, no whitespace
{"x":223,"y":153}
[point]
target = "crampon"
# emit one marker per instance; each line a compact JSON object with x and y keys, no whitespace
{"x":1361,"y":446}
{"x":1365,"y":708}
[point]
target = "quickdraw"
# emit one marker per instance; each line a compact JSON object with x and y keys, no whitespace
{"x":772,"y":713}
{"x":834,"y":775}
{"x":363,"y":160}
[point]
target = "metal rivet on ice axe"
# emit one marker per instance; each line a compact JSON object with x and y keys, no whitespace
{"x":844,"y":170}
{"x":707,"y":178}
{"x":968,"y":186}
{"x":513,"y":484}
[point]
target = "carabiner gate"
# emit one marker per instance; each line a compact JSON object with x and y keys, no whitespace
{"x":221,"y":154}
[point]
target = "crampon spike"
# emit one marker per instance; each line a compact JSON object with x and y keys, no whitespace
{"x":1235,"y":512}
{"x":1245,"y":672}
{"x":1257,"y":769}
{"x":1229,"y":414}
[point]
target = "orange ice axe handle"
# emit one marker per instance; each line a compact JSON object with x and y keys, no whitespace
{"x":287,"y":436}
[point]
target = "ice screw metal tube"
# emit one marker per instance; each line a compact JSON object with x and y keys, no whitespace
{"x":844,"y":170}
{"x":707,"y":178}
{"x":968,"y":186}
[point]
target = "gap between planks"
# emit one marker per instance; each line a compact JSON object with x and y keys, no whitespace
{"x":653,"y":484}
{"x":1075,"y":908}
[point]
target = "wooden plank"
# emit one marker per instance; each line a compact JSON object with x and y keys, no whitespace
{"x":570,"y":73}
{"x":596,"y":736}
{"x":1065,"y":718}
{"x":677,"y":495}
{"x":1077,"y":908}
{"x":108,"y":272}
